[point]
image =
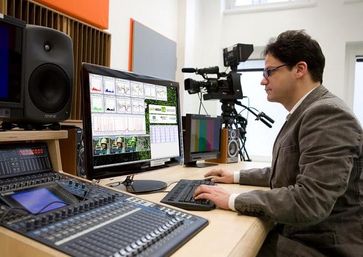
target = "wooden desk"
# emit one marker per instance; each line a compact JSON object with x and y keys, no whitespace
{"x":51,"y":137}
{"x":228,"y":234}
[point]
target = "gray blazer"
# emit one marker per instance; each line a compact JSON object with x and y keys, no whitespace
{"x":316,"y":178}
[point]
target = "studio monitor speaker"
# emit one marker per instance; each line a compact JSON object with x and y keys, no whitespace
{"x":229,"y":147}
{"x":48,"y":75}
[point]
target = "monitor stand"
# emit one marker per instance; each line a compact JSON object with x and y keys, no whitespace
{"x":140,"y":186}
{"x":196,"y":164}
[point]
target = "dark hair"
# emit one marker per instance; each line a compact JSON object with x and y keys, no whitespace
{"x":293,"y":46}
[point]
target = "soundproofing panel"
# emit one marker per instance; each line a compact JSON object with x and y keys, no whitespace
{"x":151,"y":53}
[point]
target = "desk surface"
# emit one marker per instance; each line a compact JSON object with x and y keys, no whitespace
{"x":228,"y":234}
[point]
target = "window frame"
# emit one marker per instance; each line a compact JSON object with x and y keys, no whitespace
{"x":349,"y":1}
{"x":231,"y":8}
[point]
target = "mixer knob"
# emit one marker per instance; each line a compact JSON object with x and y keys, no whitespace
{"x":69,"y":211}
{"x":36,"y":222}
{"x":63,"y":213}
{"x":51,"y":217}
{"x":91,"y":204}
{"x":44,"y":220}
{"x":57,"y":215}
{"x":86,"y":206}
{"x":29,"y":225}
{"x":75,"y":209}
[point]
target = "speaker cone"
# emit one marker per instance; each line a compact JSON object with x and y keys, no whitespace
{"x":49,"y":88}
{"x":232,"y":148}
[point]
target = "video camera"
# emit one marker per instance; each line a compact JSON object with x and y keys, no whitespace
{"x":225,"y":86}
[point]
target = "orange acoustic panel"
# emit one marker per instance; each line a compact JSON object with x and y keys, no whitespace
{"x":94,"y":12}
{"x":131,"y":45}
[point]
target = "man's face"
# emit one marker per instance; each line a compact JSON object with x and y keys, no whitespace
{"x":278,"y":81}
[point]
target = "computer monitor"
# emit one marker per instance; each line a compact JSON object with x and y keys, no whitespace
{"x":201,"y":135}
{"x":11,"y":44}
{"x":131,"y":123}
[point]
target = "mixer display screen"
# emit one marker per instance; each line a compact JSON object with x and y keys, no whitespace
{"x":33,"y":151}
{"x":38,"y":200}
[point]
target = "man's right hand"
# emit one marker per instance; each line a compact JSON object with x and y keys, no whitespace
{"x":220,"y":176}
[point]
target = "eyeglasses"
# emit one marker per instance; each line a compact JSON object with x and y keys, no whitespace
{"x":268,"y":71}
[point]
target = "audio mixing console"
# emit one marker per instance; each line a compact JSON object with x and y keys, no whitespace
{"x":81,"y":218}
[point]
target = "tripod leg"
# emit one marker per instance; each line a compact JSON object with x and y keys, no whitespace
{"x":248,"y":157}
{"x":243,"y":151}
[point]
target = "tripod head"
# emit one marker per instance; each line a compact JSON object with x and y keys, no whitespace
{"x":233,"y":120}
{"x":230,"y":115}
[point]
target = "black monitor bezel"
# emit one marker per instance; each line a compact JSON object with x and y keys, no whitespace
{"x":192,"y":158}
{"x":120,"y":168}
{"x":19,"y":25}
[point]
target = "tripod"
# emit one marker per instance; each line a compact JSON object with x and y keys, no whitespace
{"x":233,"y":120}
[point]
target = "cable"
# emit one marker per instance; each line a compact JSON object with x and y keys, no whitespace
{"x":201,"y":103}
{"x":49,"y":204}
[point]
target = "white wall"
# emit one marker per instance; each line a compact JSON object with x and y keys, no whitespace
{"x":159,"y":15}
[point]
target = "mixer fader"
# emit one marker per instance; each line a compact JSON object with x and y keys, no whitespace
{"x":81,"y":218}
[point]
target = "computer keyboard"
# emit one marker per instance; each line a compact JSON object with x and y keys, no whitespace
{"x":182,"y":196}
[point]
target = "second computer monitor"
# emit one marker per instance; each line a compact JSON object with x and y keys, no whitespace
{"x":201,"y":136}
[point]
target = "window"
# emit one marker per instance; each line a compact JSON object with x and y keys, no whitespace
{"x":237,"y":6}
{"x":260,"y":138}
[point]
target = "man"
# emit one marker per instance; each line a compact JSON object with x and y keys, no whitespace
{"x":316,"y":180}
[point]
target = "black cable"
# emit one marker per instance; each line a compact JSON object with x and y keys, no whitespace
{"x":47,"y":205}
{"x":94,"y":182}
{"x":200,"y":101}
{"x":172,"y":183}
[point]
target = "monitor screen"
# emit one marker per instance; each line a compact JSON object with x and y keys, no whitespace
{"x":201,"y":138}
{"x":38,"y":200}
{"x":130,"y":121}
{"x":11,"y":38}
